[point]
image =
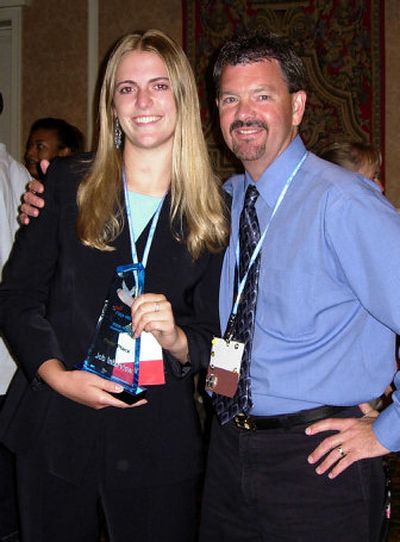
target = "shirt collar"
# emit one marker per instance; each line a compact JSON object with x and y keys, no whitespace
{"x":273,"y":179}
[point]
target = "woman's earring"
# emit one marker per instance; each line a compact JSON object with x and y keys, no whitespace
{"x":117,"y":134}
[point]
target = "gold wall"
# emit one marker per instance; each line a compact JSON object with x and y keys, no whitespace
{"x":117,"y":17}
{"x":55,"y":52}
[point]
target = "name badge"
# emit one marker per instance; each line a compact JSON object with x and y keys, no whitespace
{"x":224,"y":369}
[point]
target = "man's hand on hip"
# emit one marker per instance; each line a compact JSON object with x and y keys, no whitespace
{"x":354,"y":440}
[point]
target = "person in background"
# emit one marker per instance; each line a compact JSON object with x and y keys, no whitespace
{"x":310,"y":292}
{"x":13,"y":180}
{"x":50,"y":137}
{"x":362,"y":158}
{"x":147,"y":195}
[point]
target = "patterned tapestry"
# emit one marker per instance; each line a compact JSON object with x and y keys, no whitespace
{"x":341,"y":43}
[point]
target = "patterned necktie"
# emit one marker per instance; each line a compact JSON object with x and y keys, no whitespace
{"x":249,"y":234}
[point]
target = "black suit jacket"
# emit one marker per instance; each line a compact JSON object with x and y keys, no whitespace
{"x":50,"y":300}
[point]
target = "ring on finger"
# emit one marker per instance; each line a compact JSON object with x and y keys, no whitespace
{"x":341,"y":451}
{"x":156,"y":307}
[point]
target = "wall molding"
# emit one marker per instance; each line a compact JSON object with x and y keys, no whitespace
{"x":13,"y":17}
{"x":14,"y":3}
{"x":92,"y":64}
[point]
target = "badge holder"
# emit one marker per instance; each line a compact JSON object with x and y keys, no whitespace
{"x":223,"y":371}
{"x":114,"y":352}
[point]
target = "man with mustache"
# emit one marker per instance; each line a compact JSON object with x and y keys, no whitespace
{"x":314,"y":306}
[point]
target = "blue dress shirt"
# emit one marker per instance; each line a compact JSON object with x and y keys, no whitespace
{"x":328,"y":305}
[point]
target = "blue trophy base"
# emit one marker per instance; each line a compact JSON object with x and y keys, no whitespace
{"x":128,"y":398}
{"x":130,"y":394}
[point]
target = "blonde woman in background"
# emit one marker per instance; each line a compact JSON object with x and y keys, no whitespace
{"x":359,"y":157}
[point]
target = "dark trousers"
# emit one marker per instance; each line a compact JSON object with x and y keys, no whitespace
{"x":8,"y":500}
{"x":55,"y":510}
{"x":260,"y":488}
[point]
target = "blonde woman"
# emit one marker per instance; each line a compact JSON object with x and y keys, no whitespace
{"x":149,"y":189}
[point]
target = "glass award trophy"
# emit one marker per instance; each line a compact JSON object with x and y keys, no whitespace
{"x":114,"y":352}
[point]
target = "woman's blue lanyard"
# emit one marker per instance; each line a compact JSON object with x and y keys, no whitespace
{"x":242,"y":283}
{"x":131,"y":230}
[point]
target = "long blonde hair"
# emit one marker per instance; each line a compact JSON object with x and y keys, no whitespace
{"x":196,"y":194}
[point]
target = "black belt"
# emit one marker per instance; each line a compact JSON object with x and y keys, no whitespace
{"x":285,"y":421}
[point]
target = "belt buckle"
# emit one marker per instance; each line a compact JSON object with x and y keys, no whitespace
{"x":242,"y":421}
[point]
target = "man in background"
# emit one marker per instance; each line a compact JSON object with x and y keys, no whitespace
{"x":13,"y":180}
{"x":50,"y":137}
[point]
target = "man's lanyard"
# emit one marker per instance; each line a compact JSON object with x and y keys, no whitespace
{"x":242,"y":283}
{"x":131,"y":230}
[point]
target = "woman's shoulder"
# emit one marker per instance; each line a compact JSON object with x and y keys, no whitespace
{"x":65,"y":173}
{"x":70,"y":168}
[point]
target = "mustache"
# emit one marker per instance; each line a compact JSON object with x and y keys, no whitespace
{"x":247,"y":124}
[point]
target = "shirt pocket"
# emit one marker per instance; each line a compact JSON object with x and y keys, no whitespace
{"x":286,"y":302}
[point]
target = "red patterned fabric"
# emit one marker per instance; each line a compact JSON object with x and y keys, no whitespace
{"x":341,"y":43}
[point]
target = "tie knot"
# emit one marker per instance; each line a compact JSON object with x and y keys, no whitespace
{"x":251,"y":196}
